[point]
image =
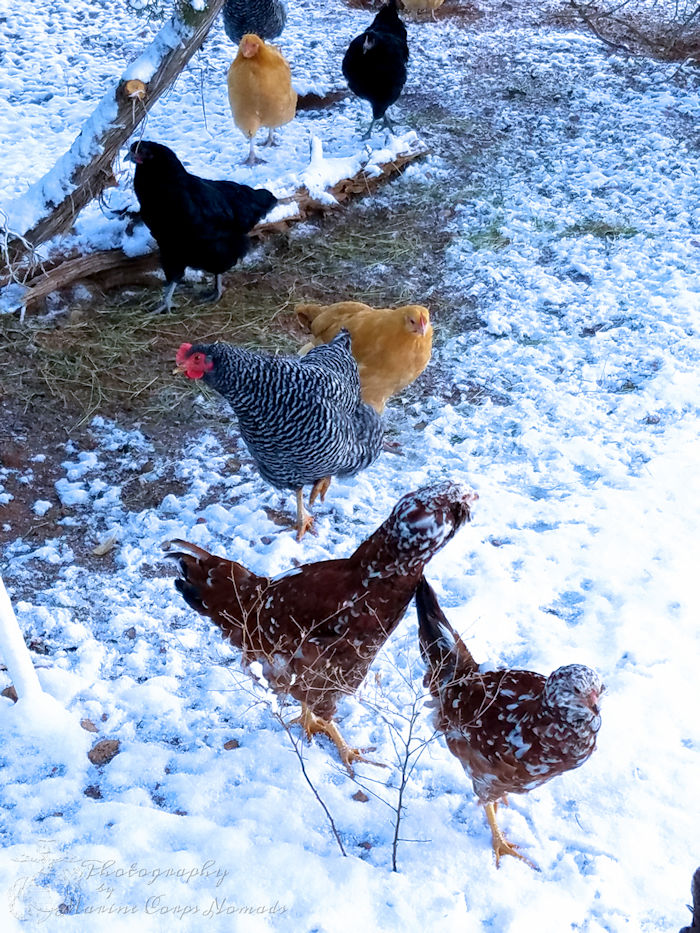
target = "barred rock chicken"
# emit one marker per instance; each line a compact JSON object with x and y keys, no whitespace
{"x":195,"y":222}
{"x":511,"y":730}
{"x":392,"y":346}
{"x":260,"y":91}
{"x":317,"y":629}
{"x":266,"y":18}
{"x":375,"y":62}
{"x":302,"y":419}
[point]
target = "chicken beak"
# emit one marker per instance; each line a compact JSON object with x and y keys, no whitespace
{"x":593,"y":701}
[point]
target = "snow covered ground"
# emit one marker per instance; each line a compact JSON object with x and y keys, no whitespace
{"x":583,"y":447}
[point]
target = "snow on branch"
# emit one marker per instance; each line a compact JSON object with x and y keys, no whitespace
{"x":323,"y":186}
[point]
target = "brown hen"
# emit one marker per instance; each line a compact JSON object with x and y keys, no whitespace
{"x":512,"y":730}
{"x":317,"y":629}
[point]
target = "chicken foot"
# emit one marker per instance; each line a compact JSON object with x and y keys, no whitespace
{"x":166,"y":304}
{"x":313,"y":724}
{"x":253,"y":158}
{"x":388,"y":125}
{"x":218,"y":291}
{"x":501,"y":846}
{"x":304,"y":519}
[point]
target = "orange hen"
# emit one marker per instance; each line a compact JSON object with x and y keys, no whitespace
{"x":260,"y":90}
{"x":392,"y":346}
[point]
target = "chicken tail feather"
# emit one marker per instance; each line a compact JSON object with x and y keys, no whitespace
{"x":192,"y":550}
{"x":442,"y":649}
{"x":188,"y":592}
{"x":209,"y":584}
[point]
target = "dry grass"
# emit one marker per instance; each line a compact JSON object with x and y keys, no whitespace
{"x":114,"y":357}
{"x":118,"y":357}
{"x":461,"y":10}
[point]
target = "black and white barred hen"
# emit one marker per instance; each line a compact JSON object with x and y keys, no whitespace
{"x":266,"y":18}
{"x":302,"y":418}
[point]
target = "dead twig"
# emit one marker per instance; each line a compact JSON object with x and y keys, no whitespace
{"x":296,"y":745}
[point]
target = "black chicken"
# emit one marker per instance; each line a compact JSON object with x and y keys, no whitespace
{"x":195,"y":222}
{"x":375,"y":63}
{"x":265,"y":18}
{"x":301,"y":418}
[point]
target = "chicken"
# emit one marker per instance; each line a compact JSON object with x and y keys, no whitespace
{"x":260,"y":90}
{"x":266,"y":18}
{"x":302,"y":419}
{"x":375,"y":62}
{"x":695,"y":910}
{"x":417,"y":6}
{"x":392,"y":346}
{"x":317,"y":629}
{"x":195,"y":222}
{"x":511,"y":730}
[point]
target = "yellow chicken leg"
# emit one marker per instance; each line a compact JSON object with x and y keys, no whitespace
{"x":313,"y":724}
{"x":501,"y":846}
{"x":304,"y":519}
{"x":320,"y":488}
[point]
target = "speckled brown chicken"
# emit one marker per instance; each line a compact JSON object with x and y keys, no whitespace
{"x":512,"y":730}
{"x":317,"y":629}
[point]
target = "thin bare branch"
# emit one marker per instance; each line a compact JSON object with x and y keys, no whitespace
{"x":296,"y":745}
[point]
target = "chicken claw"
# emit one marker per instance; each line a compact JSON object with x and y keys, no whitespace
{"x":253,"y":158}
{"x":313,"y":724}
{"x":216,"y":293}
{"x":501,"y":846}
{"x":305,"y":519}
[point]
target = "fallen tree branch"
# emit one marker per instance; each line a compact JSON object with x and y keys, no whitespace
{"x":672,"y":35}
{"x":588,"y":20}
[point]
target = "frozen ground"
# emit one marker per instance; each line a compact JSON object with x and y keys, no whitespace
{"x":573,"y":411}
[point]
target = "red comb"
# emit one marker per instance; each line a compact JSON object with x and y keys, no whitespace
{"x":183,"y":353}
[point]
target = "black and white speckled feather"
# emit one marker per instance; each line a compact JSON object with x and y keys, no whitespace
{"x":301,"y":418}
{"x":265,"y":18}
